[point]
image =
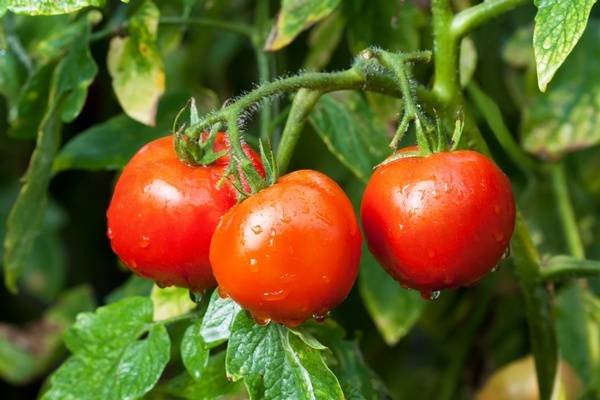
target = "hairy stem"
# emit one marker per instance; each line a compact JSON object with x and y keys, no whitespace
{"x":445,"y":50}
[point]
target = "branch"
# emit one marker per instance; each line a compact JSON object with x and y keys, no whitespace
{"x":565,"y":267}
{"x":469,"y":19}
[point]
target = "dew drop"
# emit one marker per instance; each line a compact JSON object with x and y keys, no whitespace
{"x":497,"y":210}
{"x":401,"y":226}
{"x":434,"y":295}
{"x":275,"y":295}
{"x":506,"y":253}
{"x":110,"y":233}
{"x":498,"y":236}
{"x":260,"y":320}
{"x":253,"y":265}
{"x":144,"y":242}
{"x":257,"y":229}
{"x":161,"y":285}
{"x":446,"y":187}
{"x":496,"y":268}
{"x":320,"y":316}
{"x":325,"y":278}
{"x":196,"y":297}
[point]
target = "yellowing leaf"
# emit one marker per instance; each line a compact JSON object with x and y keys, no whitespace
{"x":136,"y":68}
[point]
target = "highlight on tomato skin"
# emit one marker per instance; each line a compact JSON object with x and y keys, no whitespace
{"x":440,"y":221}
{"x":163,"y":213}
{"x":290,"y":252}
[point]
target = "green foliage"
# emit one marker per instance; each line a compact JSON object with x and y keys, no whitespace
{"x":558,"y":27}
{"x":107,"y":346}
{"x":135,"y":66}
{"x":276,"y":362}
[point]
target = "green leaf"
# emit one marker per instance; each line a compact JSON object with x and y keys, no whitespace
{"x":393,"y":309}
{"x":351,"y":132}
{"x":50,"y":7}
{"x":278,"y":363}
{"x":134,"y":63}
{"x":558,"y":27}
{"x":171,"y":302}
{"x":194,"y":352}
{"x":213,"y":385}
{"x":567,"y":117}
{"x":27,"y":353}
{"x":296,"y":16}
{"x":323,"y":41}
{"x":111,"y":358}
{"x":217,"y":321}
{"x":25,"y":218}
{"x":578,"y":333}
{"x":111,"y":144}
{"x":358,"y":381}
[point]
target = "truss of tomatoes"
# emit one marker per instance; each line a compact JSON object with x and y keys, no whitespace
{"x":292,"y":251}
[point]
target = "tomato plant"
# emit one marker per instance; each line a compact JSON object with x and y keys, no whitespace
{"x":464,"y":133}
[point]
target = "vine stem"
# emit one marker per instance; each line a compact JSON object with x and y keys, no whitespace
{"x":565,"y":210}
{"x":565,"y":267}
{"x":470,"y":18}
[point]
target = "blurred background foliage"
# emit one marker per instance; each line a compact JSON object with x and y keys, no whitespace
{"x":442,"y":349}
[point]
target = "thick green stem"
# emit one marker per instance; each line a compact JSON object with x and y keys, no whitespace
{"x":467,"y":20}
{"x":565,"y":267}
{"x":445,"y":50}
{"x":565,"y":210}
{"x":303,"y":103}
{"x":352,"y":78}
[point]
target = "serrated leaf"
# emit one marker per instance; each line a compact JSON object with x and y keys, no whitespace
{"x":111,"y":144}
{"x":111,"y":360}
{"x":213,"y":385}
{"x":393,"y":309}
{"x":558,"y":26}
{"x":134,"y":63}
{"x":296,"y":16}
{"x":217,"y":321}
{"x":28,"y":352}
{"x":50,"y":7}
{"x":194,"y":352}
{"x":567,"y":117}
{"x":277,"y":364}
{"x":171,"y":302}
{"x":351,"y":132}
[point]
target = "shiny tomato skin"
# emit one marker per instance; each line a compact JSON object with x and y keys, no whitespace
{"x":289,"y":252}
{"x":163,"y":213}
{"x":439,"y":221}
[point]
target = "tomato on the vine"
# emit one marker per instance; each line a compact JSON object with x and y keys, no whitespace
{"x":163,"y":213}
{"x":289,"y":252}
{"x":438,"y":221}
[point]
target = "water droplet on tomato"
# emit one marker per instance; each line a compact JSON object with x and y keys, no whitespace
{"x":321,"y":316}
{"x":253,"y":265}
{"x":506,"y":253}
{"x":401,"y":226}
{"x":144,"y":242}
{"x":287,"y":277}
{"x":275,"y":295}
{"x":196,"y":297}
{"x":325,"y":278}
{"x":497,"y":210}
{"x":430,"y":295}
{"x":262,"y":320}
{"x":496,"y":268}
{"x":434,"y":295}
{"x":446,"y":187}
{"x":110,"y":233}
{"x":257,"y":229}
{"x":498,"y":236}
{"x":161,"y":285}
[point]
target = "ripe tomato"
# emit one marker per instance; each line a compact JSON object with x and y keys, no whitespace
{"x":439,"y":221}
{"x":289,"y":252}
{"x":163,"y":213}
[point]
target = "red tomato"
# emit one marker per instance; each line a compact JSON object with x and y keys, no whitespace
{"x":289,"y":252}
{"x":163,"y":213}
{"x":439,"y":221}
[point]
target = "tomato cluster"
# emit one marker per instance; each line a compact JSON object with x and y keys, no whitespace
{"x":292,"y":250}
